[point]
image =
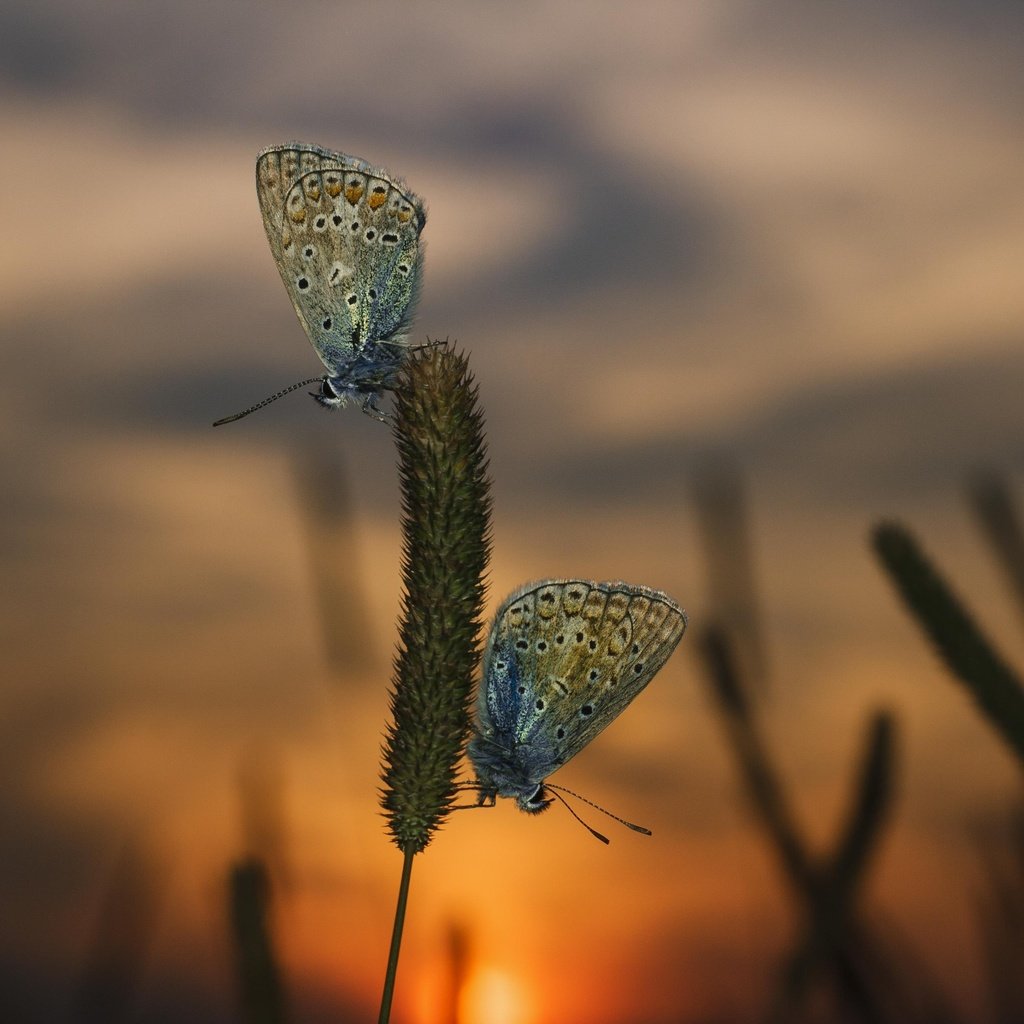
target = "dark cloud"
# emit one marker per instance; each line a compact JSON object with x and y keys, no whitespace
{"x":915,"y":430}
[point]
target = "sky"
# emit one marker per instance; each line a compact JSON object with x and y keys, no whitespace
{"x":774,"y":244}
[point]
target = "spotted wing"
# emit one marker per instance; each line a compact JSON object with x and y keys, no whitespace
{"x":346,"y":240}
{"x":564,"y":658}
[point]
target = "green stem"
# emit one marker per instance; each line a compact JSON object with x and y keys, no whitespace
{"x":396,"y":937}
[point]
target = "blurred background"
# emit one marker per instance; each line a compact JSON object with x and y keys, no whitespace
{"x":737,"y":280}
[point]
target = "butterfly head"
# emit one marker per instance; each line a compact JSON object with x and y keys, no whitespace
{"x":363,"y":384}
{"x":500,"y":772}
{"x":327,"y":396}
{"x":535,"y":802}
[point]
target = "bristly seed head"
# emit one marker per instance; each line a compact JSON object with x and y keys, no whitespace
{"x":446,"y":510}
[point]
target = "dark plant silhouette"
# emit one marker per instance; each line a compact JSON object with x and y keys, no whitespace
{"x":967,"y":652}
{"x":835,"y":943}
{"x":261,"y":990}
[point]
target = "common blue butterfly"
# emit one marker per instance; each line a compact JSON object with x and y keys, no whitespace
{"x":346,"y":239}
{"x":563,"y":660}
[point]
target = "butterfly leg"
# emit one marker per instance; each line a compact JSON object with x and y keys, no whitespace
{"x":429,"y":343}
{"x":372,"y":410}
{"x":483,"y":798}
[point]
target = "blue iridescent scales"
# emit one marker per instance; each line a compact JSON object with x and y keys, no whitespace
{"x":346,"y":239}
{"x":563,"y":660}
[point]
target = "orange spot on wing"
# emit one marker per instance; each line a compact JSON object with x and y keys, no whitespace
{"x":353,"y":193}
{"x":377,"y":199}
{"x":333,"y":188}
{"x":298,"y":216}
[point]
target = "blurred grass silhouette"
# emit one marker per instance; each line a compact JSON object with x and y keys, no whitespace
{"x":835,"y":946}
{"x":260,"y":986}
{"x":726,"y":542}
{"x":1000,"y":524}
{"x":1000,"y":910}
{"x":967,"y":652}
{"x":321,"y":481}
{"x":124,"y":932}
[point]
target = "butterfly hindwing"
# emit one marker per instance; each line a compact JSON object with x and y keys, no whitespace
{"x":565,"y":658}
{"x":346,"y":239}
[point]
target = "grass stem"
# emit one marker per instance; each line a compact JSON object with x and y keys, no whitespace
{"x":396,"y":938}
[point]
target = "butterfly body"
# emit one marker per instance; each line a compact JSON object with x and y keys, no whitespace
{"x":563,"y":659}
{"x":346,"y":240}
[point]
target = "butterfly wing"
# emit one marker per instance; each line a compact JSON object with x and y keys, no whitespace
{"x":564,"y":658}
{"x":346,"y":239}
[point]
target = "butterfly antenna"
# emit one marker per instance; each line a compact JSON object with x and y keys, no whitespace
{"x":598,"y":807}
{"x":267,"y":401}
{"x":592,"y":831}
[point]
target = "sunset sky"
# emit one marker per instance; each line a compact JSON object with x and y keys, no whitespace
{"x":781,"y":242}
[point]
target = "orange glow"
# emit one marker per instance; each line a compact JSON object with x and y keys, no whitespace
{"x":494,"y":996}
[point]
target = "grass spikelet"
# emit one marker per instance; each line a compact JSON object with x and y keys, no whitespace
{"x":446,"y":509}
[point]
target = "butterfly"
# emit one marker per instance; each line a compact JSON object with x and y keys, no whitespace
{"x":564,"y":658}
{"x":346,"y":240}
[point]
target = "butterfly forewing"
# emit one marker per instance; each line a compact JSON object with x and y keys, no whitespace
{"x":565,"y":657}
{"x":345,"y":237}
